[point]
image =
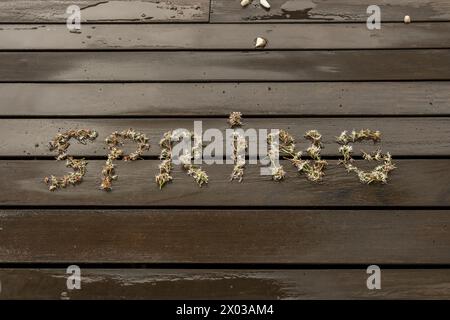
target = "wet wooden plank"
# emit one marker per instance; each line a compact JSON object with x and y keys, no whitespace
{"x":143,"y":11}
{"x":225,"y":236}
{"x":226,"y":66}
{"x":400,"y":136}
{"x":328,"y":11}
{"x":219,"y":99}
{"x":224,"y":36}
{"x":414,"y":183}
{"x":224,"y":284}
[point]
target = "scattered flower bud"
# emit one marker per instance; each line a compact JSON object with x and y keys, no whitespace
{"x":235,"y":119}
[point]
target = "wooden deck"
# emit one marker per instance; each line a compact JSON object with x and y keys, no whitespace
{"x":159,"y":65}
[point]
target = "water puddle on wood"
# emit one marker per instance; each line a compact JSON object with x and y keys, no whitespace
{"x":139,"y":10}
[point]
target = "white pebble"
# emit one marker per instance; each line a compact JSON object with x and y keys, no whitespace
{"x":264,"y":3}
{"x":407,"y":19}
{"x":245,"y":3}
{"x":260,"y":42}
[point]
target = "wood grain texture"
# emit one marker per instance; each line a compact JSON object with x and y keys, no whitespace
{"x":225,"y":236}
{"x":226,"y":66}
{"x":326,"y":76}
{"x":219,"y":99}
{"x":400,"y":136}
{"x":142,"y":11}
{"x":413,"y":183}
{"x":328,"y":11}
{"x":224,"y":36}
{"x":224,"y":284}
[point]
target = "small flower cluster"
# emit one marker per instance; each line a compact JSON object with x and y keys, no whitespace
{"x":239,"y":148}
{"x":197,"y":173}
{"x":380,"y":173}
{"x":314,"y":170}
{"x":238,"y":156}
{"x":194,"y":171}
{"x":357,"y":136}
{"x":235,"y":119}
{"x":278,"y":172}
{"x":62,"y":140}
{"x":165,"y":167}
{"x":114,"y":141}
{"x":61,"y":143}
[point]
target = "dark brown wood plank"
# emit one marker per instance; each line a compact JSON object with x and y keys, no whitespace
{"x":225,"y":236}
{"x":413,"y":183}
{"x":226,"y":66}
{"x":328,"y":11}
{"x":225,"y":284}
{"x":219,"y":99}
{"x":224,"y":36}
{"x":401,"y":136}
{"x":144,"y":11}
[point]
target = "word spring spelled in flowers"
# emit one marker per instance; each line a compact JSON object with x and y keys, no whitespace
{"x":279,"y":142}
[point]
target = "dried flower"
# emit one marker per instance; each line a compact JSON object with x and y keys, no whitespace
{"x":61,"y":143}
{"x":273,"y":143}
{"x":346,"y":151}
{"x":165,"y":167}
{"x":239,"y":148}
{"x":380,"y":173}
{"x":278,"y":173}
{"x":197,"y":173}
{"x":315,"y":137}
{"x":238,"y":156}
{"x":235,"y":119}
{"x":314,"y":170}
{"x":115,"y":140}
{"x":361,"y":135}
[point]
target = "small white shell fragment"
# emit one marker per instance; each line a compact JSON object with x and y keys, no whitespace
{"x":245,"y":3}
{"x":264,"y":3}
{"x":260,"y":42}
{"x":407,"y":19}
